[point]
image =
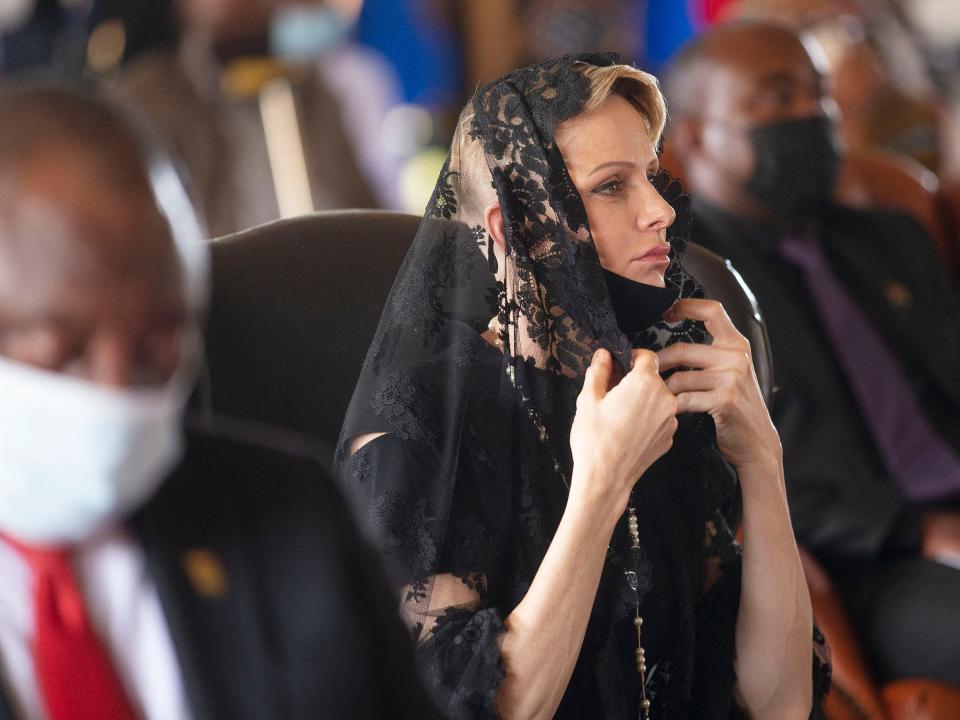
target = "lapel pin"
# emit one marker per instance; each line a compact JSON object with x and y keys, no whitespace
{"x":898,"y":294}
{"x":206,"y":572}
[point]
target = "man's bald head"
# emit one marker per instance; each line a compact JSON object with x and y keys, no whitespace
{"x":736,"y":47}
{"x":85,"y":252}
{"x":735,"y":79}
{"x":38,"y":121}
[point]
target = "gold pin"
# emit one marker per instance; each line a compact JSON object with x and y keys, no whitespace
{"x":898,"y":294}
{"x":206,"y":572}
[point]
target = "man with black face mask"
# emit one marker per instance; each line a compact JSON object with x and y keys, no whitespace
{"x":865,"y":330}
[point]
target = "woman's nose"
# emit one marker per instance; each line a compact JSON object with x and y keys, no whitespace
{"x":655,"y":213}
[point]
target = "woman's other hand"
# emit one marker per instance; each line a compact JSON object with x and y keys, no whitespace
{"x":619,"y":432}
{"x":719,"y":379}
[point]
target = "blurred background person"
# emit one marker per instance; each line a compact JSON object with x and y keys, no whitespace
{"x":260,"y":137}
{"x":42,"y":33}
{"x":150,"y":572}
{"x":895,"y":107}
{"x":865,"y":330}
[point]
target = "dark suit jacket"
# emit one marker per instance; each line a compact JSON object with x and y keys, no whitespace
{"x":843,"y":503}
{"x":276,"y":606}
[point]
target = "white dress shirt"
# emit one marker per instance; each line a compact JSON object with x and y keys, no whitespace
{"x":125,"y":611}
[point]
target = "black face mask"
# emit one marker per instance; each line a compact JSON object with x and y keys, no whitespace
{"x":797,"y":166}
{"x":636,"y":305}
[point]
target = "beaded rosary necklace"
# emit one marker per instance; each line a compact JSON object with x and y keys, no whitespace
{"x":632,"y":526}
{"x":634,"y":583}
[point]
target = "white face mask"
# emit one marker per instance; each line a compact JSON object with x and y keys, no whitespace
{"x":75,"y":455}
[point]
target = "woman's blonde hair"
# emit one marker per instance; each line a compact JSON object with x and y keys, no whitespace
{"x":639,"y":88}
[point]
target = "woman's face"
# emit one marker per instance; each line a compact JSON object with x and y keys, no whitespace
{"x":612,"y":161}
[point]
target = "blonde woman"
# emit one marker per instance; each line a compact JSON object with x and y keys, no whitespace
{"x":560,"y":517}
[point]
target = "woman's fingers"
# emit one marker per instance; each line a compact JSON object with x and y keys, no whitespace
{"x":618,"y":434}
{"x":699,"y":380}
{"x":597,"y":378}
{"x":645,"y":361}
{"x":703,"y":356}
{"x":712,"y":314}
{"x":699,"y":402}
{"x":704,"y":390}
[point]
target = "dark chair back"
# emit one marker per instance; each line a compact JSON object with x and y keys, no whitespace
{"x":724,"y":284}
{"x":295,"y":304}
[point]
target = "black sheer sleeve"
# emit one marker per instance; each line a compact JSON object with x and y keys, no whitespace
{"x":448,"y":606}
{"x":461,"y":660}
{"x":398,"y":680}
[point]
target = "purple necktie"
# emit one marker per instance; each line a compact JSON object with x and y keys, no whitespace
{"x":924,"y":466}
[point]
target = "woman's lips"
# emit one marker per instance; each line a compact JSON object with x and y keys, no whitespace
{"x":657,"y":256}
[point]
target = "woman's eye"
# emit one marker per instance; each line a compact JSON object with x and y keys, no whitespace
{"x":611,"y":187}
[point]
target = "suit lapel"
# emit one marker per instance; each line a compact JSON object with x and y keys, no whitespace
{"x":207,"y":590}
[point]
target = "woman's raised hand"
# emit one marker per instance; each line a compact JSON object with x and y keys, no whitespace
{"x":722,"y":382}
{"x":619,"y":432}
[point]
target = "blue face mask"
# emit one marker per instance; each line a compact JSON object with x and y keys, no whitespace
{"x":301,"y":31}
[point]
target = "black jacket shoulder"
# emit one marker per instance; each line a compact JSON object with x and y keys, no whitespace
{"x":278,"y":607}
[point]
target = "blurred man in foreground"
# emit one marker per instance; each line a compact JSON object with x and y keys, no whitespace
{"x":865,"y":331}
{"x":147,"y":573}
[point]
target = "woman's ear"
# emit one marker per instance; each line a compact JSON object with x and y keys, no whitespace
{"x":494,"y":221}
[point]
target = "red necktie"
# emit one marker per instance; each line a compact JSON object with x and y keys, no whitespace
{"x":74,"y":673}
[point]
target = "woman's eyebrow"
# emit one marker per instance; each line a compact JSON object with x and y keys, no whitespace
{"x":617,"y":163}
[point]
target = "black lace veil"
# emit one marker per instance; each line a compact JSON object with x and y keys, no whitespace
{"x":469,"y":391}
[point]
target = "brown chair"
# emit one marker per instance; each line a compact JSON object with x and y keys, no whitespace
{"x":921,"y":700}
{"x":853,"y":694}
{"x":884,"y":180}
